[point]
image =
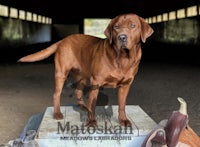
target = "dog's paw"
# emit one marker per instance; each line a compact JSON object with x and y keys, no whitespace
{"x":126,"y":123}
{"x":58,"y":116}
{"x":92,"y":123}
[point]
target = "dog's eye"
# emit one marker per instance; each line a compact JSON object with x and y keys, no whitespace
{"x":116,"y":27}
{"x":131,"y":26}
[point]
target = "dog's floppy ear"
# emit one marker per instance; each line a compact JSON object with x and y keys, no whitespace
{"x":108,"y":31}
{"x":146,"y":30}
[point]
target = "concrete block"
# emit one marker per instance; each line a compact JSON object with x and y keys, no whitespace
{"x":72,"y":132}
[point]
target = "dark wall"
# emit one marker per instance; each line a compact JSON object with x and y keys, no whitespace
{"x":183,"y":31}
{"x":59,"y":31}
{"x":174,"y":41}
{"x":16,"y":32}
{"x":17,"y":35}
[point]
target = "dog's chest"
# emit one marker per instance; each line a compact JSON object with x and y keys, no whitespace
{"x":117,"y":79}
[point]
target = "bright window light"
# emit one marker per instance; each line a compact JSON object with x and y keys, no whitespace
{"x":172,"y":15}
{"x":154,"y":19}
{"x":165,"y":17}
{"x":159,"y":18}
{"x":3,"y":10}
{"x":29,"y":16}
{"x":192,"y":11}
{"x":95,"y":26}
{"x":178,"y":14}
{"x":21,"y":14}
{"x":43,"y":19}
{"x":34,"y":17}
{"x":39,"y":18}
{"x":181,"y":13}
{"x":150,"y":20}
{"x":49,"y":20}
{"x":13,"y":13}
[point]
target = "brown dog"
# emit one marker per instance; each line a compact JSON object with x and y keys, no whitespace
{"x":110,"y":62}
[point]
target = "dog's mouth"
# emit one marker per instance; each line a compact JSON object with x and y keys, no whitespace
{"x":125,"y":50}
{"x":124,"y":46}
{"x":123,"y":41}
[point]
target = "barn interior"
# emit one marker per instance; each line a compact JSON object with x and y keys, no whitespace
{"x":169,"y":67}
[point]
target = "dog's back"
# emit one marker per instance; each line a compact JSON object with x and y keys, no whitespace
{"x":75,"y":42}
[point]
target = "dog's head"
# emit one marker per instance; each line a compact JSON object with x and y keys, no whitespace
{"x":126,"y":30}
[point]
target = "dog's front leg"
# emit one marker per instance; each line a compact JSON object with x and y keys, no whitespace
{"x":91,"y":106}
{"x":122,"y":95}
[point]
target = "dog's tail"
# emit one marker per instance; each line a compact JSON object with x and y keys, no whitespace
{"x":40,"y":55}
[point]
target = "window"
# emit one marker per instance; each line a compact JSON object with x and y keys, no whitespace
{"x":179,"y":14}
{"x":13,"y":13}
{"x":3,"y":10}
{"x":95,"y":26}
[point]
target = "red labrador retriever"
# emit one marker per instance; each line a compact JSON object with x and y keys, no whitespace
{"x":109,"y":62}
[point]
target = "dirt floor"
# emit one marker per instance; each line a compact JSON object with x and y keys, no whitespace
{"x":27,"y":89}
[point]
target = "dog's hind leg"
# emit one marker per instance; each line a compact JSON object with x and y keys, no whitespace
{"x":60,"y":78}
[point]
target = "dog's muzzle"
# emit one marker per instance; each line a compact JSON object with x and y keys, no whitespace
{"x":123,"y":39}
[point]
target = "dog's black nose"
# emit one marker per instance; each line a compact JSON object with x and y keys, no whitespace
{"x":122,"y":38}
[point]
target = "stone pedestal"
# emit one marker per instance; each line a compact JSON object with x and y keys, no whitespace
{"x":72,"y":132}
